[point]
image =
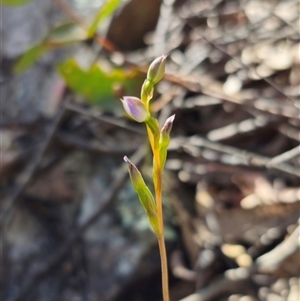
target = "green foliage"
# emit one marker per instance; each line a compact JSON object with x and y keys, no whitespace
{"x":59,"y":36}
{"x":64,"y":34}
{"x":95,"y":85}
{"x":29,"y":57}
{"x":108,"y":8}
{"x":15,"y":2}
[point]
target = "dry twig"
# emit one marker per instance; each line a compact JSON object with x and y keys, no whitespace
{"x":245,"y":158}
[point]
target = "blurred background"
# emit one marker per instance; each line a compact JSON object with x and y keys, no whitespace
{"x":72,"y":228}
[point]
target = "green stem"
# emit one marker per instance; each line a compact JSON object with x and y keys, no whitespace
{"x":164,"y":268}
{"x":158,"y":197}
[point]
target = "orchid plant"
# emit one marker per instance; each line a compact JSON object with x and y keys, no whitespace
{"x":159,"y":138}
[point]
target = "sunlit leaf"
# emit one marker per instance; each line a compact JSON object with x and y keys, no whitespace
{"x":15,"y":2}
{"x":59,"y":36}
{"x":29,"y":58}
{"x":66,"y":33}
{"x":95,"y":85}
{"x":106,"y":10}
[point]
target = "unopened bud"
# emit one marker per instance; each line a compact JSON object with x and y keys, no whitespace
{"x":135,"y":108}
{"x":167,"y":127}
{"x":145,"y":196}
{"x":135,"y":176}
{"x":164,"y":139}
{"x":156,"y":70}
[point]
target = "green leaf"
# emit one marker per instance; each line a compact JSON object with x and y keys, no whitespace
{"x":29,"y":58}
{"x":106,"y":10}
{"x":66,"y":33}
{"x":59,"y":36}
{"x":15,"y":2}
{"x":95,"y":85}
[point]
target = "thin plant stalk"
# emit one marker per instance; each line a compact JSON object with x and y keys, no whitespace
{"x":159,"y":139}
{"x":164,"y":268}
{"x":158,"y":197}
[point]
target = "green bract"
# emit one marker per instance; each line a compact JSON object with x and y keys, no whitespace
{"x":144,"y":194}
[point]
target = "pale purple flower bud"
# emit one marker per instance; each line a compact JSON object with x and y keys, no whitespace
{"x":156,"y":70}
{"x":135,"y":175}
{"x":135,"y":108}
{"x":164,"y":139}
{"x":166,"y":129}
{"x":144,"y":194}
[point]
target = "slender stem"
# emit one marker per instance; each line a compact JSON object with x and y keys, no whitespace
{"x":161,"y":241}
{"x":154,"y":135}
{"x":164,"y":268}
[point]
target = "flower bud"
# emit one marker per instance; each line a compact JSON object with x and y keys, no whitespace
{"x":167,"y":127}
{"x":135,"y":175}
{"x":156,"y":70}
{"x":164,"y":139}
{"x":135,"y":108}
{"x":145,"y":196}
